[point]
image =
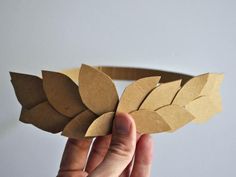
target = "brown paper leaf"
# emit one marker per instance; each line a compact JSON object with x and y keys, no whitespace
{"x":205,"y":107}
{"x":62,"y":93}
{"x":161,"y":95}
{"x":197,"y":86}
{"x":101,"y":126}
{"x":73,"y":74}
{"x":29,"y":89}
{"x":77,"y":127}
{"x":175,"y":116}
{"x":97,"y":90}
{"x":45,"y":117}
{"x":149,"y":122}
{"x":135,"y":93}
{"x":25,"y":116}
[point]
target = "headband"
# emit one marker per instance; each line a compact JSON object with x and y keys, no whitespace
{"x":82,"y":102}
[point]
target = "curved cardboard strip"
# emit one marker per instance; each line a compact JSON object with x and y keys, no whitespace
{"x":197,"y":86}
{"x":77,"y":127}
{"x":131,"y":73}
{"x":97,"y":90}
{"x":205,"y":107}
{"x":101,"y":126}
{"x":46,"y":118}
{"x":161,"y":96}
{"x":175,"y":116}
{"x":135,"y":93}
{"x":149,"y":122}
{"x":62,"y":93}
{"x":28,"y":89}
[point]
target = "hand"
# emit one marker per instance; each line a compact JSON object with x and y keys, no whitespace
{"x":124,"y":154}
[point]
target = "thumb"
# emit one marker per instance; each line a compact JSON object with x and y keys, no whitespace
{"x":122,"y":148}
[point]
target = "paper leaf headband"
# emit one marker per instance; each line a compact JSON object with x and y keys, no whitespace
{"x":158,"y":100}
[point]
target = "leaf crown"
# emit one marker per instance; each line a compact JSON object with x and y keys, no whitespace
{"x":158,"y":101}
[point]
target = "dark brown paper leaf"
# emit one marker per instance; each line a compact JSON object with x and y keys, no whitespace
{"x":101,"y":126}
{"x":97,"y":90}
{"x":28,"y":89}
{"x":175,"y":116}
{"x":62,"y":93}
{"x":135,"y":93}
{"x":77,"y":127}
{"x":161,"y":95}
{"x":149,"y":122}
{"x":46,"y":118}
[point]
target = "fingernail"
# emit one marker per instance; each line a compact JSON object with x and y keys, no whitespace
{"x":122,"y":123}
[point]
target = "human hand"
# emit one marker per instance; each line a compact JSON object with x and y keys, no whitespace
{"x":124,"y":153}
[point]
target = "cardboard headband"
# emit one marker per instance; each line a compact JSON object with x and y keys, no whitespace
{"x":158,"y":101}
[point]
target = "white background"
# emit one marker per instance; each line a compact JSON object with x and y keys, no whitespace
{"x":179,"y":35}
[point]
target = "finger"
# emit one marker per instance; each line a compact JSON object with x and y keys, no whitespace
{"x":129,"y":168}
{"x":122,"y":147}
{"x":98,"y":152}
{"x":143,"y":157}
{"x":75,"y":155}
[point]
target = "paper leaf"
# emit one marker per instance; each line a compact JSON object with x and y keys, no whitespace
{"x":28,"y":89}
{"x":46,"y":118}
{"x":97,"y":90}
{"x":101,"y":126}
{"x":149,"y":122}
{"x":205,"y":107}
{"x":25,"y":116}
{"x":62,"y":93}
{"x":73,"y":74}
{"x":77,"y":127}
{"x":161,"y":95}
{"x":175,"y":116}
{"x":135,"y":93}
{"x":198,"y":86}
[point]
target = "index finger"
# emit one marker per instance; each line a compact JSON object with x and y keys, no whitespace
{"x":75,"y":155}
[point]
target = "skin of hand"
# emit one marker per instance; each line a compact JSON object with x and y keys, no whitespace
{"x":124,"y":153}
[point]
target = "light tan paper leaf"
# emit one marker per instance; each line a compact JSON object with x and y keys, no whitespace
{"x":149,"y":122}
{"x":101,"y":126}
{"x":205,"y":107}
{"x":73,"y":74}
{"x":198,"y":86}
{"x":62,"y":93}
{"x":175,"y":116}
{"x":45,"y":117}
{"x":78,"y":126}
{"x":29,"y":89}
{"x":161,"y":95}
{"x":135,"y":93}
{"x":97,"y":90}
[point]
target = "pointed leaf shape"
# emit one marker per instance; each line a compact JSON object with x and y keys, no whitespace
{"x":135,"y":93}
{"x":97,"y":90}
{"x":101,"y":126}
{"x":205,"y":107}
{"x":28,"y":88}
{"x":45,"y":117}
{"x":161,"y":95}
{"x":62,"y":93}
{"x":25,"y":116}
{"x":197,"y":86}
{"x":149,"y":122}
{"x":77,"y":127}
{"x":175,"y":116}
